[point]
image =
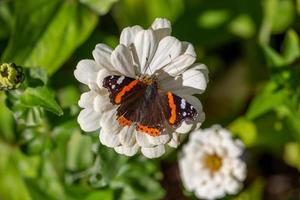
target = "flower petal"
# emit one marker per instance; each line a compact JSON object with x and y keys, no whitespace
{"x":128,"y":35}
{"x":101,"y":54}
{"x":128,"y":151}
{"x":192,"y":81}
{"x":153,"y":152}
{"x":142,"y":140}
{"x":184,"y":128}
{"x":161,"y":23}
{"x":127,"y":136}
{"x":157,"y":140}
{"x":121,"y":59}
{"x":145,"y":45}
{"x":85,"y":71}
{"x":182,"y":62}
{"x":109,"y":137}
{"x":108,"y":120}
{"x":102,"y":103}
{"x":86,"y":99}
{"x":175,"y":141}
{"x":161,"y":27}
{"x":168,"y":49}
{"x":89,"y":120}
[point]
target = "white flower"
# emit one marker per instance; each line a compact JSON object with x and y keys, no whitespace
{"x":210,"y":163}
{"x":140,"y":52}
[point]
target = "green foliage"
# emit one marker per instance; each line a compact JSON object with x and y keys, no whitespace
{"x":38,"y":24}
{"x":252,"y":50}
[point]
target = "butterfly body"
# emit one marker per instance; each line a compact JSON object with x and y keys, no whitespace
{"x":141,"y":102}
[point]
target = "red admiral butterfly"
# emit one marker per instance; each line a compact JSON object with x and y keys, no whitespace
{"x":143,"y":103}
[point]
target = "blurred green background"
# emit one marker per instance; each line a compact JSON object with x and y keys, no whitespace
{"x":251,"y":48}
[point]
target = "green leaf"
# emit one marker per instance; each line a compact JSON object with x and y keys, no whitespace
{"x":242,"y":26}
{"x":245,"y":129}
{"x":36,"y":192}
{"x":6,"y":20}
{"x":101,"y":194}
{"x":135,"y":187}
{"x":213,"y":18}
{"x":292,"y":154}
{"x":109,"y":164}
{"x":274,"y":59}
{"x":79,"y":152}
{"x":268,"y":99}
{"x":6,"y":122}
{"x":47,"y":32}
{"x":99,"y":6}
{"x":278,"y":16}
{"x":43,"y":97}
{"x":291,"y":46}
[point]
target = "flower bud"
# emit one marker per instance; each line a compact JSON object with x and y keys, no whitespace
{"x":11,"y":76}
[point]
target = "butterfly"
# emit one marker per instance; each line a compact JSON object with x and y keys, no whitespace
{"x":141,"y":102}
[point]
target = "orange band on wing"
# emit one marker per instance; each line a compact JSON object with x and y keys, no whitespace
{"x":150,"y":131}
{"x":125,"y":89}
{"x":172,"y":105}
{"x":123,"y":121}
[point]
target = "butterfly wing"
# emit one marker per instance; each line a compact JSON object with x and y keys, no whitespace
{"x":121,"y":87}
{"x":179,"y":110}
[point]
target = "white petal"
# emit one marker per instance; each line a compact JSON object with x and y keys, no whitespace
{"x":86,"y":99}
{"x":156,"y":140}
{"x":128,"y":34}
{"x":101,"y":54}
{"x":162,"y":28}
{"x":142,"y":140}
{"x":89,"y":120}
{"x":128,"y":151}
{"x":232,"y":149}
{"x":182,"y":62}
{"x":102,"y":103}
{"x":186,"y":173}
{"x":145,"y":45}
{"x":85,"y":71}
{"x":127,"y":136}
{"x":121,"y":59}
{"x":168,"y":49}
{"x":109,"y":120}
{"x":192,"y":81}
{"x":153,"y":152}
{"x":184,"y":128}
{"x":239,"y":169}
{"x":109,"y":137}
{"x":231,"y":185}
{"x":161,"y":23}
{"x":175,"y":141}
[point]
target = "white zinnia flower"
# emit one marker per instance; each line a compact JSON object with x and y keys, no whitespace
{"x":140,"y":52}
{"x":210,"y":163}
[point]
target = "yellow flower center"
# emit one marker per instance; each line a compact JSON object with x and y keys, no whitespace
{"x":212,"y":162}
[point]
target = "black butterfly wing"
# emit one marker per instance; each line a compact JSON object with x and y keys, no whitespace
{"x":146,"y":110}
{"x":179,"y":110}
{"x":121,"y":87}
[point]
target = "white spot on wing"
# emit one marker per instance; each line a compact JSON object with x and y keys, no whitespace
{"x":120,"y":80}
{"x":183,"y":104}
{"x":184,"y":114}
{"x":113,"y":86}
